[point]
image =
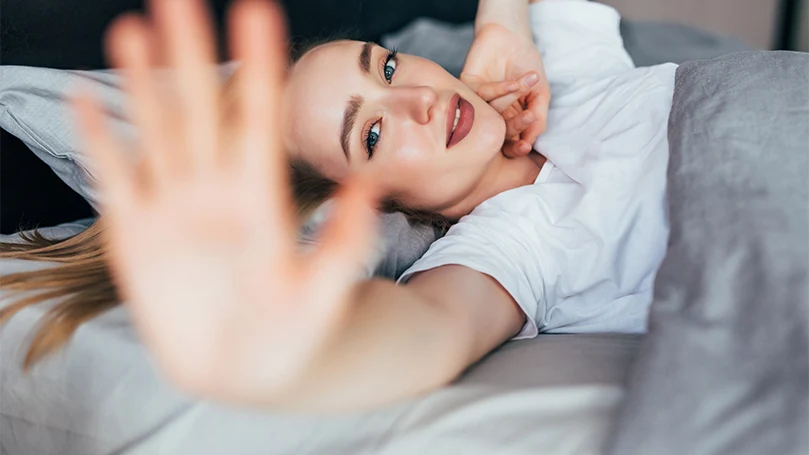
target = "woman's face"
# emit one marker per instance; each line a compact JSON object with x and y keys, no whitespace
{"x":353,"y":106}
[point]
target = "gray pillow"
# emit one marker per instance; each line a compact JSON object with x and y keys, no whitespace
{"x":33,"y":107}
{"x":725,"y":365}
{"x":648,"y":43}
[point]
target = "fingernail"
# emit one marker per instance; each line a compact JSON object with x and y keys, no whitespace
{"x":531,"y":79}
{"x":524,"y":147}
{"x":528,"y":117}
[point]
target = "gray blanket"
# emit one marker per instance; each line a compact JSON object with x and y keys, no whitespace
{"x":723,"y":369}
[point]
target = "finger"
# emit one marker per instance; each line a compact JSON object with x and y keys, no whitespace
{"x":492,"y":90}
{"x":519,"y":123}
{"x":113,"y":179}
{"x":347,"y":240}
{"x":129,"y":44}
{"x":185,"y":26}
{"x":258,"y":39}
{"x":516,"y":148}
{"x":538,"y":103}
{"x":527,"y":83}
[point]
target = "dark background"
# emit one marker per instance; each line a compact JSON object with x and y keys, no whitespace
{"x":67,"y":34}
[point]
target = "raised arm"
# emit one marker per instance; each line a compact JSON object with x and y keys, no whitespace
{"x":201,"y":240}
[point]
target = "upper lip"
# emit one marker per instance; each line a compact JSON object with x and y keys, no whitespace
{"x":451,"y":108}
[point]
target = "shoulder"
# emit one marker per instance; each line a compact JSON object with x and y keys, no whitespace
{"x":509,"y":240}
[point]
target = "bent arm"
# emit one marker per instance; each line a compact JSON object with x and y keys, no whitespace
{"x":402,"y":341}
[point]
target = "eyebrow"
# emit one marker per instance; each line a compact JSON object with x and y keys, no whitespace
{"x":355,"y":103}
{"x":365,"y":57}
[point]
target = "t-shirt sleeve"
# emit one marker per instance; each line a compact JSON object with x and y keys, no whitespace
{"x":500,"y":245}
{"x":578,"y":39}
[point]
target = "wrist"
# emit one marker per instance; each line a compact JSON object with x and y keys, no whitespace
{"x":511,"y":14}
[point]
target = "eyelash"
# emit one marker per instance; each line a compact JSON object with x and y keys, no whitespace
{"x":391,"y":57}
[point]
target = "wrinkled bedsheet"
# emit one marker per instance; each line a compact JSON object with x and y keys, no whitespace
{"x":103,"y":395}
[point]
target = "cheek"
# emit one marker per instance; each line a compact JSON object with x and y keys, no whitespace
{"x":412,"y":147}
{"x":428,"y":180}
{"x":411,"y":152}
{"x":409,"y":164}
{"x":412,"y":168}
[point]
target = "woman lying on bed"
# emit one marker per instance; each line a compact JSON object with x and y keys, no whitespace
{"x":200,"y":238}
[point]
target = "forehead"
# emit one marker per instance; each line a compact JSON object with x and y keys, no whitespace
{"x":319,"y":88}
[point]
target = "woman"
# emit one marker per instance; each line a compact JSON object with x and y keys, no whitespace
{"x":232,"y":312}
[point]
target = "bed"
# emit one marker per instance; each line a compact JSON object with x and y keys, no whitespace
{"x":724,"y":368}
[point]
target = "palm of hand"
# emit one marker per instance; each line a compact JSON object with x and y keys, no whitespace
{"x":215,"y":282}
{"x":200,"y":238}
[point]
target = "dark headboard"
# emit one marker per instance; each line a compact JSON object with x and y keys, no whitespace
{"x":67,"y":33}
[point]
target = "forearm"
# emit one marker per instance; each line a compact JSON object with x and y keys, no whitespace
{"x":511,"y":14}
{"x":393,"y":345}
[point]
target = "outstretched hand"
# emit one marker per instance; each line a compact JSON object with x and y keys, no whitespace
{"x":505,"y":69}
{"x":201,"y":232}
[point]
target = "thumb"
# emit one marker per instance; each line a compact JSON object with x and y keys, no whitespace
{"x":348,"y":238}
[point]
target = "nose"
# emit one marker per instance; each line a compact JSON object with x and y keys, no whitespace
{"x":415,"y":102}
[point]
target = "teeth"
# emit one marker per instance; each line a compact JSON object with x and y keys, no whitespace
{"x":457,"y":117}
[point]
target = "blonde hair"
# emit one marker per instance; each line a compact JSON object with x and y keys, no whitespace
{"x":81,"y":280}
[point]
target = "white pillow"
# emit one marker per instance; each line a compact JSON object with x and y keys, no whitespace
{"x":33,"y":108}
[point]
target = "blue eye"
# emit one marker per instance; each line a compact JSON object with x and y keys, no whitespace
{"x":372,"y":134}
{"x":371,"y":138}
{"x":390,"y":65}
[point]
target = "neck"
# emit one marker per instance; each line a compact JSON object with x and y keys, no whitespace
{"x":502,"y":175}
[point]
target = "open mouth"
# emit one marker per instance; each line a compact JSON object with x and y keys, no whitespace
{"x":460,"y":117}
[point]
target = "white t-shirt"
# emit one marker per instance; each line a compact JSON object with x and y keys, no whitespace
{"x":579,"y":249}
